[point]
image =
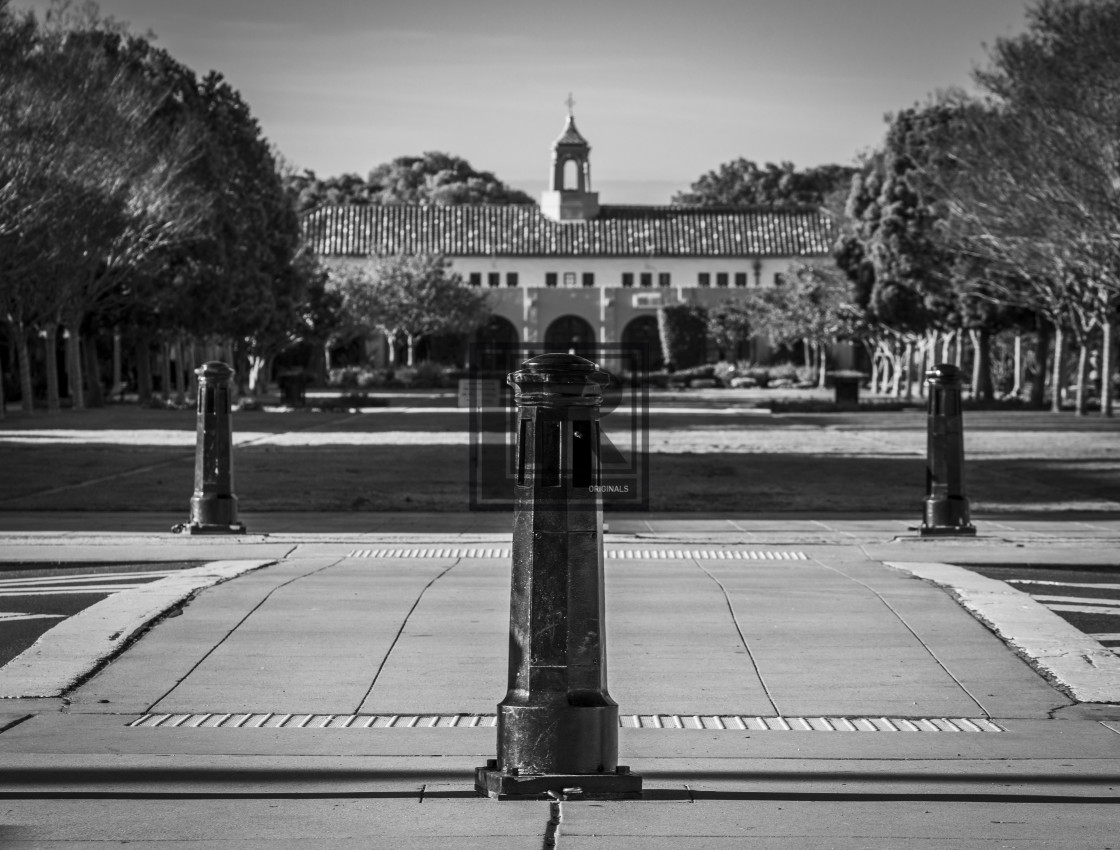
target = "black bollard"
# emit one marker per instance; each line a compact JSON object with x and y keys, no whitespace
{"x":946,"y":506}
{"x":213,"y":505}
{"x":557,"y":726}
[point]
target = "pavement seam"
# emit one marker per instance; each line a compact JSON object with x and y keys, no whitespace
{"x":917,"y":637}
{"x":236,"y":626}
{"x":400,"y":631}
{"x":742,"y":637}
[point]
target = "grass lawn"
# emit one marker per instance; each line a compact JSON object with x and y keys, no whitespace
{"x":130,"y":459}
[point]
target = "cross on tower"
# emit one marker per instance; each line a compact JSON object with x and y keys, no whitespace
{"x":571,"y":102}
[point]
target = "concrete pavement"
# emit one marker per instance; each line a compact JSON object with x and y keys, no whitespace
{"x":783,"y":681}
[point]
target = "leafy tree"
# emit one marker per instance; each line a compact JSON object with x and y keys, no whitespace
{"x":411,"y":297}
{"x":440,"y":179}
{"x":732,"y":323}
{"x":1039,"y":188}
{"x":814,"y":305}
{"x":742,"y":182}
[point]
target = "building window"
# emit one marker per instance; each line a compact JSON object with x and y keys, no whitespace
{"x":647,"y":279}
{"x":511,"y":278}
{"x":550,"y":278}
{"x":703,"y":279}
{"x":740,"y":279}
{"x":569,"y":279}
{"x":721,"y":279}
{"x":589,"y":278}
{"x":476,"y":279}
{"x":663,"y":279}
{"x":779,"y":278}
{"x":494,"y":278}
{"x":627,"y":278}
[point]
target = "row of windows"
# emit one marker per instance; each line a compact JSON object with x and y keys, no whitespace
{"x":644,"y":279}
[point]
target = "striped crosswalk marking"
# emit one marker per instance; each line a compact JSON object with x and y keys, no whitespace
{"x":102,"y":583}
{"x":16,"y":616}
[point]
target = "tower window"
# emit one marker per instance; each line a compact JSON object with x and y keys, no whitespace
{"x":663,"y":278}
{"x":475,"y":279}
{"x":569,"y":279}
{"x":550,"y":278}
{"x":627,"y":278}
{"x":511,"y":278}
{"x":494,"y":279}
{"x":721,"y":279}
{"x":571,"y":175}
{"x":647,"y":279}
{"x":740,"y":279}
{"x":703,"y":279}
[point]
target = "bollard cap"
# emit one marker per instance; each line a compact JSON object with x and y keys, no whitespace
{"x":214,"y":369}
{"x":944,"y":373}
{"x":559,"y":380}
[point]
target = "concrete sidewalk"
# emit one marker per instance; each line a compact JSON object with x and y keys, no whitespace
{"x":783,"y":682}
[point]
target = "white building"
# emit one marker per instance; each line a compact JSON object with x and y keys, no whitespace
{"x":572,"y":270}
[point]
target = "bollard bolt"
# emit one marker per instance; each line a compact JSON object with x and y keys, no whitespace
{"x":213,"y":505}
{"x":557,"y":726}
{"x":946,"y":506}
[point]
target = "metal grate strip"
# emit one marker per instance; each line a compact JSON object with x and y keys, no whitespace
{"x":617,"y":554}
{"x":724,"y":722}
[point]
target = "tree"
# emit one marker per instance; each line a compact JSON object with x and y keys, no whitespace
{"x":1038,"y":192}
{"x":684,"y":335}
{"x":742,"y":182}
{"x":411,"y":297}
{"x":813,"y":305}
{"x":440,"y":179}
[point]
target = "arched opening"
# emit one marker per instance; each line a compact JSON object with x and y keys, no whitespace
{"x":642,"y":332}
{"x":570,"y":176}
{"x":570,"y":334}
{"x":496,"y":348}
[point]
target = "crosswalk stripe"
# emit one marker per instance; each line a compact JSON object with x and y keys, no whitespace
{"x":15,"y":616}
{"x":60,"y":591}
{"x":1086,"y":609}
{"x":83,"y":577}
{"x":1080,"y":600}
{"x":1063,"y":583}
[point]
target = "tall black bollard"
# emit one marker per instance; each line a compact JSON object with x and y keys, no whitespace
{"x":213,"y":505}
{"x":946,"y":506}
{"x":557,"y":726}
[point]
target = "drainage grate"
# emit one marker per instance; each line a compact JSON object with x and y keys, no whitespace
{"x":615,"y":554}
{"x":727,"y":722}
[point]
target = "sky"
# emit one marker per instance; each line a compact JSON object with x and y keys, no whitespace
{"x":664,"y":90}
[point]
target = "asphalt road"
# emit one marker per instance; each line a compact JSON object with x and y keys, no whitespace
{"x":37,"y":597}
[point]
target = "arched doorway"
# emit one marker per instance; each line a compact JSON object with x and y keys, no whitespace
{"x":570,"y":333}
{"x":495,"y":348}
{"x":643,"y":332}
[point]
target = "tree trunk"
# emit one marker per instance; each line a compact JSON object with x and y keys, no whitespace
{"x":180,"y":373}
{"x":144,"y":368}
{"x":1106,"y":365}
{"x":391,"y":339}
{"x":807,"y":354}
{"x":1042,"y":357}
{"x":908,"y":371}
{"x":1017,"y":366}
{"x":411,"y":342}
{"x":118,"y":377}
{"x":165,"y":371}
{"x":26,"y":387}
{"x":54,"y":404}
{"x":822,"y":364}
{"x":1082,"y":378}
{"x":192,"y":378}
{"x":983,"y":370}
{"x":946,"y":346}
{"x":1056,"y":380}
{"x":93,"y":371}
{"x":74,"y":366}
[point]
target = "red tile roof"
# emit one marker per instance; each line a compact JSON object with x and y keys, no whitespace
{"x":523,"y":231}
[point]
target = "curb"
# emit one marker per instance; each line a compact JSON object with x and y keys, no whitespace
{"x":72,"y":650}
{"x":1083,"y":666}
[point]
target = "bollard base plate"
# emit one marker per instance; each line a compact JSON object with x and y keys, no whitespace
{"x":235,"y":528}
{"x":491,"y":782}
{"x":947,"y":531}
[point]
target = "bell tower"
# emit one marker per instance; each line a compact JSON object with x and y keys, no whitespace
{"x":569,"y":196}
